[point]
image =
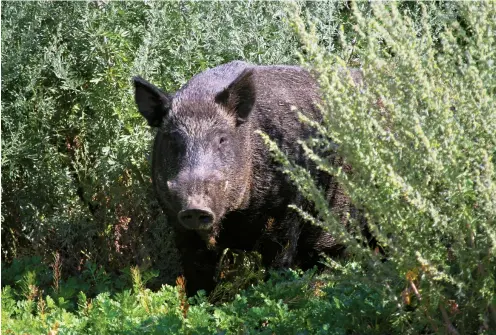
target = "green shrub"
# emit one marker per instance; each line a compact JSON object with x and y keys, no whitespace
{"x":420,"y":136}
{"x":73,"y":165}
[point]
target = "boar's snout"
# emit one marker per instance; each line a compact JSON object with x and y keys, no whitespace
{"x":200,"y":194}
{"x":196,"y":218}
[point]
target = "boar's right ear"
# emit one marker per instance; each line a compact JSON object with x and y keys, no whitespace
{"x":239,"y":97}
{"x":153,"y":103}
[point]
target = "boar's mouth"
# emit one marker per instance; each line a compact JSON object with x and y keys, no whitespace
{"x":209,"y":234}
{"x":210,"y":238}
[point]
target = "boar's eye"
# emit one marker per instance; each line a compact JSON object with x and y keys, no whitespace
{"x":222,"y":141}
{"x":222,"y":138}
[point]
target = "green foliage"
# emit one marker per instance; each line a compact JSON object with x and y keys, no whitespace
{"x":420,"y":135}
{"x":73,"y":149}
{"x":288,"y":303}
{"x":29,"y":278}
{"x":236,"y":270}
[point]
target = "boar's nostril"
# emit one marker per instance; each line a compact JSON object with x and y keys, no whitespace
{"x":205,"y":219}
{"x":187,"y":217}
{"x":196,"y":218}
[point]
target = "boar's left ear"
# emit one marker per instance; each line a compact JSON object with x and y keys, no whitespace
{"x":239,"y":97}
{"x":153,"y":103}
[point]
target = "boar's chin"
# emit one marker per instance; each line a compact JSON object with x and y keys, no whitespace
{"x":210,"y":237}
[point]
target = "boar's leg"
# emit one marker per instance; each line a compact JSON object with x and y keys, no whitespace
{"x":198,"y":262}
{"x":278,"y":244}
{"x":313,"y":242}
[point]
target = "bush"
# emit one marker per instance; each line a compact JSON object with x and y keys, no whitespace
{"x":420,"y":136}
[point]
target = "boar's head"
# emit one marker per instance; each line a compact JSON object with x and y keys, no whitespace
{"x":203,"y":150}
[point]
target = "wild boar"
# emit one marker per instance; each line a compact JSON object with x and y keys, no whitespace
{"x":214,"y":176}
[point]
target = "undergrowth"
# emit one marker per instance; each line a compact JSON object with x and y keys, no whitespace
{"x":289,"y":302}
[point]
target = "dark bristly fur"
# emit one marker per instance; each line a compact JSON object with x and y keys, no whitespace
{"x":207,"y":158}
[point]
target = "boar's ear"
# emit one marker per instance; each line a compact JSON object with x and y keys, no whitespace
{"x":153,"y":103}
{"x":239,"y":96}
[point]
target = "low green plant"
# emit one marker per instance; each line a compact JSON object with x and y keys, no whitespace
{"x":236,"y":270}
{"x":290,"y":302}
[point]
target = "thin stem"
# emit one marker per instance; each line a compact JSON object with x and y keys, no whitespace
{"x":451,"y":329}
{"x":414,"y":288}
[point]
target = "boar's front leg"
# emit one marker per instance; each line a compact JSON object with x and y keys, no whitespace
{"x":197,"y":261}
{"x":278,"y":244}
